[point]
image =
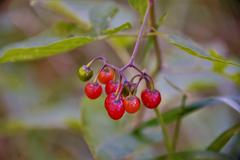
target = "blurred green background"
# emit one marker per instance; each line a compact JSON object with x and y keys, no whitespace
{"x":42,"y":101}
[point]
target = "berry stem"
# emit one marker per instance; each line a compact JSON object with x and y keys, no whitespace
{"x":135,"y":50}
{"x":149,"y":81}
{"x":95,"y":59}
{"x":119,"y":89}
{"x":164,"y":131}
{"x":134,"y":77}
{"x":135,"y":88}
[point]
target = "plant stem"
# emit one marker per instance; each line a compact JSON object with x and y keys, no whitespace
{"x":140,"y":34}
{"x":178,"y":124}
{"x":155,"y":40}
{"x":157,"y":48}
{"x":166,"y":138}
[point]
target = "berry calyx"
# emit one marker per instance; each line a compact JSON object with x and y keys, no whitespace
{"x":93,"y":90}
{"x":111,"y":87}
{"x":115,"y":108}
{"x":131,"y":104}
{"x":151,"y":98}
{"x":126,"y":89}
{"x":105,"y":75}
{"x":85,"y":73}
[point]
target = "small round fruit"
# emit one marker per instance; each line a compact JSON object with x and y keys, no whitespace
{"x":131,"y":104}
{"x":151,"y":98}
{"x":105,"y":75}
{"x":85,"y":73}
{"x":111,"y":97}
{"x":111,"y":87}
{"x":93,"y":90}
{"x":116,"y":109}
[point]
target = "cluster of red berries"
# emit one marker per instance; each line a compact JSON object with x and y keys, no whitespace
{"x":121,"y":96}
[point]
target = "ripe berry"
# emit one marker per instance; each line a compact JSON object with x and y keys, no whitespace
{"x":151,"y":98}
{"x":93,"y":90}
{"x":111,"y":97}
{"x":106,"y":75}
{"x":131,"y":104}
{"x":111,"y":87}
{"x":115,"y":108}
{"x":85,"y":73}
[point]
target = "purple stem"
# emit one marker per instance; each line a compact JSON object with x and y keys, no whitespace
{"x":140,"y":34}
{"x":135,"y":50}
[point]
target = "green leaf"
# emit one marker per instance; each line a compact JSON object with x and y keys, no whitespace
{"x":122,"y":27}
{"x":235,"y":77}
{"x":96,"y":125}
{"x":218,"y":67}
{"x":126,"y":144}
{"x":61,"y":38}
{"x":195,"y":155}
{"x":139,"y":5}
{"x":177,"y":113}
{"x":223,"y":138}
{"x":62,"y":7}
{"x":101,"y":133}
{"x":192,"y":48}
{"x":41,"y":46}
{"x":162,"y":19}
{"x":100,"y":16}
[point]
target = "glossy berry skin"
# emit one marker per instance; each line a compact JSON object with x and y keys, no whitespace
{"x":115,"y":108}
{"x":151,"y":98}
{"x":93,"y":90}
{"x":105,"y":75}
{"x":111,"y":97}
{"x":85,"y":73}
{"x":131,"y":104}
{"x":111,"y":87}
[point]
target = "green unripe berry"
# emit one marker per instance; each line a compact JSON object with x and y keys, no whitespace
{"x":85,"y":73}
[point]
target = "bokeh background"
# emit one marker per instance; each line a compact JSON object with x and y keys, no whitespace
{"x":41,"y":100}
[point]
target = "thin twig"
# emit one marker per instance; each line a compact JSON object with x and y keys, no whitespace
{"x":140,"y":34}
{"x":179,"y":122}
{"x":166,"y":137}
{"x":154,"y":34}
{"x":178,"y":125}
{"x":155,"y":40}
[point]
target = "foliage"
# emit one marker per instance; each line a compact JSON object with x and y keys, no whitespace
{"x":109,"y":139}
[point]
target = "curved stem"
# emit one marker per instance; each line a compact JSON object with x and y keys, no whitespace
{"x":119,"y":89}
{"x":95,"y":59}
{"x":136,"y":76}
{"x":135,"y":88}
{"x":149,"y":81}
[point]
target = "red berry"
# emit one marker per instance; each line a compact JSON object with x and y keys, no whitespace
{"x":111,"y":97}
{"x":106,"y":75}
{"x":111,"y":87}
{"x":131,"y":104}
{"x":93,"y":90}
{"x":151,"y":98}
{"x":115,"y":108}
